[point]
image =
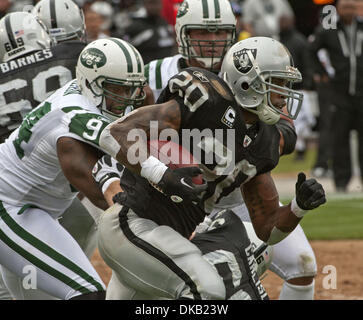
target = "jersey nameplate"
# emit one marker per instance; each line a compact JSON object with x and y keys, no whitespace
{"x":25,"y":61}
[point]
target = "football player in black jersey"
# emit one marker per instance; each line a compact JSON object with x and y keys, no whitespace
{"x":150,"y":227}
{"x":203,"y":41}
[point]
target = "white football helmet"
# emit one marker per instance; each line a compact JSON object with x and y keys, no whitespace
{"x":249,"y":68}
{"x":263,"y":252}
{"x":64,"y":19}
{"x":212,"y":15}
{"x":22,"y":33}
{"x":115,"y":62}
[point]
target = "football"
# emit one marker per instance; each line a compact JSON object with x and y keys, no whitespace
{"x":174,"y":156}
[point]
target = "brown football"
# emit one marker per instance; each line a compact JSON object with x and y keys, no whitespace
{"x":174,"y":156}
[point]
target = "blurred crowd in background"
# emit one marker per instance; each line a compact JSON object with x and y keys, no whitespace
{"x":328,"y":58}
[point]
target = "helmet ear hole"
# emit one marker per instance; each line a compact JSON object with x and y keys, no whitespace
{"x":245,"y":86}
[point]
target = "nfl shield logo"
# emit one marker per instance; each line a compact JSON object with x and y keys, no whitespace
{"x":247,"y":140}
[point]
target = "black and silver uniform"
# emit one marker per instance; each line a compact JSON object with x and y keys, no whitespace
{"x":226,"y":246}
{"x":29,"y":80}
{"x":207,"y":106}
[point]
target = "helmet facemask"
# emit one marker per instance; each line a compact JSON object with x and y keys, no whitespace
{"x":192,"y":48}
{"x":264,"y":85}
{"x":132,"y":96}
{"x":261,"y":87}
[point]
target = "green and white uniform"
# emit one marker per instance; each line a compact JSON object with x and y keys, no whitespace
{"x":34,"y":192}
{"x":158,"y":73}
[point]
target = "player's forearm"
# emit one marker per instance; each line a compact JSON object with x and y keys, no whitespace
{"x":126,"y":139}
{"x":111,"y":191}
{"x":281,"y":223}
{"x":272,"y":223}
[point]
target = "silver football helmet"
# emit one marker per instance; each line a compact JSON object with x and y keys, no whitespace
{"x":250,"y":69}
{"x":64,"y":19}
{"x":22,"y":33}
{"x":114,"y":62}
{"x":211,"y":15}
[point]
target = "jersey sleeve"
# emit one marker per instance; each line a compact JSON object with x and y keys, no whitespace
{"x":204,"y":99}
{"x":84,"y":125}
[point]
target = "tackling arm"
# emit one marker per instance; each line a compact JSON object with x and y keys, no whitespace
{"x":77,"y":160}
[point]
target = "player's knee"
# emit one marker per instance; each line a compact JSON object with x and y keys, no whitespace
{"x":303,"y":266}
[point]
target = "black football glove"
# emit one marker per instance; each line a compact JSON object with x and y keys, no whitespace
{"x":178,"y":185}
{"x":309,"y":193}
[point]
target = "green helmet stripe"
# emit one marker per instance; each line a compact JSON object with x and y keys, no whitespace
{"x":126,"y":53}
{"x":146,"y":73}
{"x":137,"y":59}
{"x":205,"y":9}
{"x":217,"y":9}
{"x":158,"y":82}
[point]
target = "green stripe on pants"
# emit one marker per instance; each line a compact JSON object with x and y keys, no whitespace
{"x":41,"y":246}
{"x":42,"y":265}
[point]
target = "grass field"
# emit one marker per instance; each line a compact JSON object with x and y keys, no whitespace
{"x":337,"y":219}
{"x":288,"y":165}
{"x":340,"y":218}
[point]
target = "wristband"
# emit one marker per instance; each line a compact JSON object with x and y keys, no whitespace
{"x":152,"y":169}
{"x":108,"y":182}
{"x":296,"y":210}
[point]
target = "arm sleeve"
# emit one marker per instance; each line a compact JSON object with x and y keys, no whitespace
{"x":316,"y":42}
{"x":288,"y":131}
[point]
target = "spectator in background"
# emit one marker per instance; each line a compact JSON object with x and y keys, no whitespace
{"x":168,"y":11}
{"x":242,"y":30}
{"x":344,"y":47}
{"x":123,"y":17}
{"x":322,"y":166}
{"x":7,"y":6}
{"x":4,"y":7}
{"x":97,"y":18}
{"x":299,"y":49}
{"x":263,"y":16}
{"x":151,"y":34}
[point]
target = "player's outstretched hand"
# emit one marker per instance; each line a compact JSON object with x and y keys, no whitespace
{"x":105,"y":169}
{"x":178,"y":184}
{"x":309,"y":193}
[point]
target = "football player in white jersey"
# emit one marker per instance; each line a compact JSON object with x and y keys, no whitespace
{"x":205,"y":30}
{"x":41,"y":70}
{"x":50,"y":156}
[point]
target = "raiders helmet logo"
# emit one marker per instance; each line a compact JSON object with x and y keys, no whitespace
{"x":241,"y":60}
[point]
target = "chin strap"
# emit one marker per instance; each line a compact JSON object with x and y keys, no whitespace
{"x":264,"y":112}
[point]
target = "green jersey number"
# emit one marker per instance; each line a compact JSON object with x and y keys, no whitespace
{"x":25,"y":130}
{"x":88,"y":126}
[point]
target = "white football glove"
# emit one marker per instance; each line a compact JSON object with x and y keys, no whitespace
{"x":106,"y":171}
